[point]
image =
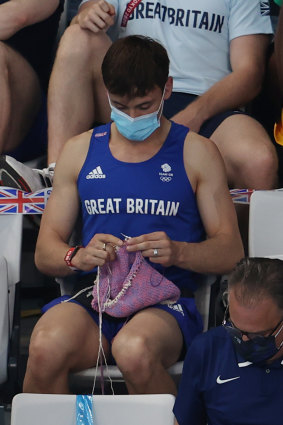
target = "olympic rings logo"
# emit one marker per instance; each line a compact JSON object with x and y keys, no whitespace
{"x":166,"y":179}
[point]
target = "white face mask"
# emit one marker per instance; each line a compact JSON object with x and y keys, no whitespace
{"x":139,"y":128}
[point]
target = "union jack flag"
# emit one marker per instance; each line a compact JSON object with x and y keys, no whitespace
{"x":15,"y":201}
{"x":241,"y":196}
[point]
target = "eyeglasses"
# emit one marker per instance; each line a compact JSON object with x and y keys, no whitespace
{"x":255,"y":336}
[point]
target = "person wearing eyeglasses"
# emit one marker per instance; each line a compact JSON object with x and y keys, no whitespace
{"x":233,"y":374}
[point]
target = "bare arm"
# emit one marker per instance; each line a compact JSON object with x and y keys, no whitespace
{"x":95,"y":15}
{"x":17,"y":14}
{"x":60,"y":216}
{"x":247,"y":57}
{"x":223,"y":246}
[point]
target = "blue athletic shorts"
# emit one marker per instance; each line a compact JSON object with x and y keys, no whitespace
{"x":184,"y":311}
{"x":179,"y":101}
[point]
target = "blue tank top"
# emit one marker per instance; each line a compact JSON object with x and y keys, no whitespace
{"x":137,"y":198}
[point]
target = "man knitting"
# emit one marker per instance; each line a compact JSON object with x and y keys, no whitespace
{"x":155,"y":181}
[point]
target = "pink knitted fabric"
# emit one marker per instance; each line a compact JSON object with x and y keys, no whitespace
{"x":130,"y":283}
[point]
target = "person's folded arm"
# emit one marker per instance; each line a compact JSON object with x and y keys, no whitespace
{"x":95,"y":16}
{"x":17,"y":14}
{"x":248,"y":59}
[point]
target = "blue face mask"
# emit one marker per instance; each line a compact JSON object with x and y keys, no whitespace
{"x":256,"y":351}
{"x":258,"y":348}
{"x":139,"y":128}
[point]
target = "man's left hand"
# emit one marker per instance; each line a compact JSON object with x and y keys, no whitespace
{"x":156,"y":246}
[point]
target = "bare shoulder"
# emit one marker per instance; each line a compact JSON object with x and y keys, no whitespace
{"x":201,"y":156}
{"x":196,"y":145}
{"x":79,"y":143}
{"x":73,"y":155}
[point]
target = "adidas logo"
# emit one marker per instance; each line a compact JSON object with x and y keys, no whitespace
{"x":96,"y":173}
{"x":177,"y":307}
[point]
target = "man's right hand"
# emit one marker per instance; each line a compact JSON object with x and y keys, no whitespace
{"x":100,"y":250}
{"x":96,"y":17}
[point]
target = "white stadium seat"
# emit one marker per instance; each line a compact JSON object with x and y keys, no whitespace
{"x":47,"y":409}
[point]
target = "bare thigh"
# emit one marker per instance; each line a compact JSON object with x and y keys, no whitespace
{"x":20,"y":97}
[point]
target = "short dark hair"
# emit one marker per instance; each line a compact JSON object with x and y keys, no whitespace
{"x":134,"y":65}
{"x":257,"y":278}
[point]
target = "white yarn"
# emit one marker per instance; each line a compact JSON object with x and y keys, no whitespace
{"x":100,"y":347}
{"x":78,"y":293}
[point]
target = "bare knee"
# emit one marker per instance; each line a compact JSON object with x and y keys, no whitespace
{"x":254,"y":166}
{"x":263,"y":167}
{"x":134,"y":358}
{"x":249,"y":155}
{"x":81,"y":46}
{"x":47,"y":355}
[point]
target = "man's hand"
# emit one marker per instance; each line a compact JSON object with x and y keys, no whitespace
{"x":190,"y":116}
{"x":157,"y":246}
{"x":97,"y":17}
{"x":100,"y":250}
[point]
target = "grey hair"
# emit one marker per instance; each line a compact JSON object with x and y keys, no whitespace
{"x":256,"y":278}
